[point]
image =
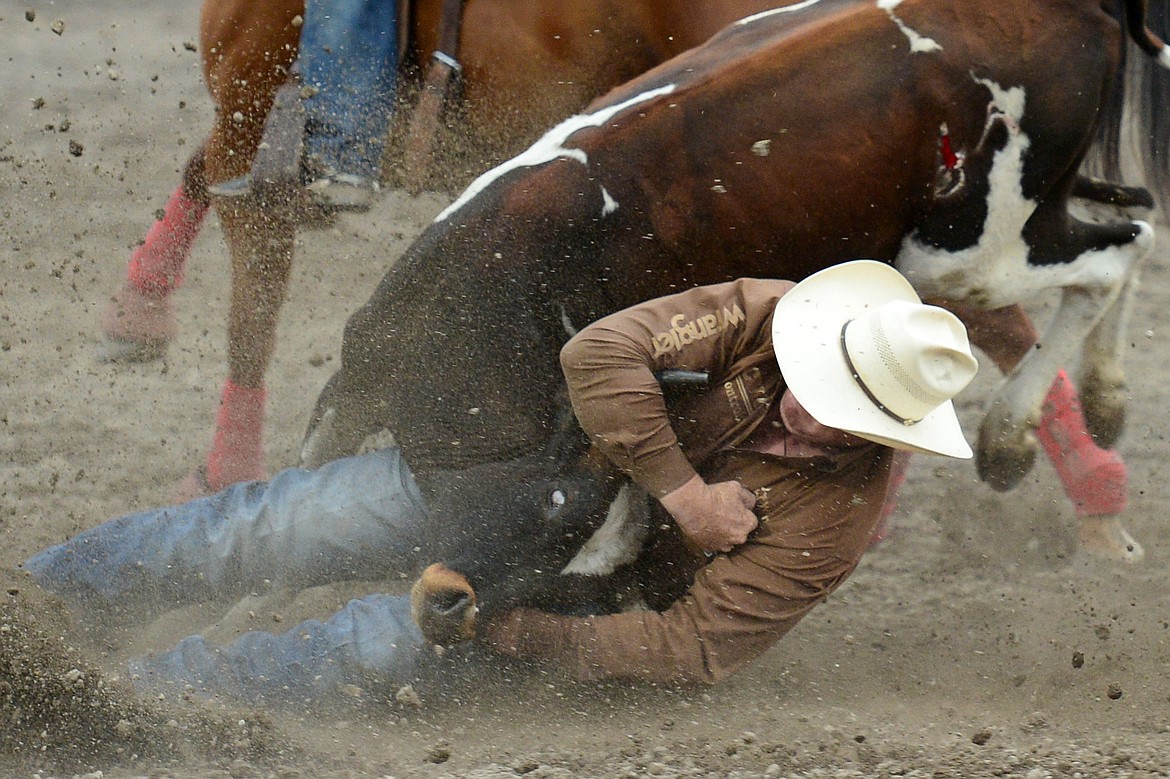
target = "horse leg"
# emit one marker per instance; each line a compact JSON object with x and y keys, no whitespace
{"x":139,"y":320}
{"x":247,"y":51}
{"x":1102,"y":192}
{"x":1094,"y":479}
{"x":261,"y":243}
{"x":1102,"y":377}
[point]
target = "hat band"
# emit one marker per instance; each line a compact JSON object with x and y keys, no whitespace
{"x":865,"y":389}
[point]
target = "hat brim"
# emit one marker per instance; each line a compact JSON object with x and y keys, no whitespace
{"x":806,"y":336}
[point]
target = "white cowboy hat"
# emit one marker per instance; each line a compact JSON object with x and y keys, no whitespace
{"x":862,"y":353}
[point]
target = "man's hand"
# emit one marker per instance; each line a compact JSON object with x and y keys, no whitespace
{"x":715,"y":517}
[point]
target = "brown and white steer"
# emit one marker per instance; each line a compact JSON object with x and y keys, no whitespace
{"x":943,"y":136}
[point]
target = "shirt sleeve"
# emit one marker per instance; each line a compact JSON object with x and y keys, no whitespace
{"x":610,"y":365}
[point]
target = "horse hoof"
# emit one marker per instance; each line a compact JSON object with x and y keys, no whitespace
{"x":1107,"y":539}
{"x":115,"y":350}
{"x":194,"y":485}
{"x":136,"y":327}
{"x":1006,"y":450}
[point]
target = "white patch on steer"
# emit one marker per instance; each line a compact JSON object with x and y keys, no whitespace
{"x":619,"y":540}
{"x":609,"y":205}
{"x":1010,"y":101}
{"x":918,"y":42}
{"x":1164,"y":57}
{"x":551,"y":146}
{"x":786,"y":9}
{"x":995,"y":271}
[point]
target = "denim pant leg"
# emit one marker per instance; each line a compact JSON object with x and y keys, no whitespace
{"x":356,"y":518}
{"x":349,"y":55}
{"x":371,"y":643}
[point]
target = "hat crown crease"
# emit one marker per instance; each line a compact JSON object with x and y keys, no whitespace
{"x":908,"y":357}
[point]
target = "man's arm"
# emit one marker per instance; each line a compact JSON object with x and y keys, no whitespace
{"x":609,"y":367}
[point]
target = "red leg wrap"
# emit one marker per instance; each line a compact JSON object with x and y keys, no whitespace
{"x":156,"y":267}
{"x":1095,"y":479}
{"x":237,"y":452}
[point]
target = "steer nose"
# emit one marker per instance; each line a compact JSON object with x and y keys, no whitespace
{"x":443,"y":605}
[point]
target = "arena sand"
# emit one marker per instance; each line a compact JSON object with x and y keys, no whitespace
{"x":974,"y":642}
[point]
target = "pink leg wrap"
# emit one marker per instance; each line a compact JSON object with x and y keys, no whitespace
{"x":156,"y":267}
{"x":237,"y":452}
{"x":1095,"y":479}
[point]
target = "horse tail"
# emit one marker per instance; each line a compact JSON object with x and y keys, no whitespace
{"x":1137,"y":18}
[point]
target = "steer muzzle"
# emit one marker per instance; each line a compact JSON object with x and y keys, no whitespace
{"x":443,"y":605}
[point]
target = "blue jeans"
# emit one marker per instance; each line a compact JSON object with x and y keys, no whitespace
{"x":349,"y":55}
{"x":354,"y":519}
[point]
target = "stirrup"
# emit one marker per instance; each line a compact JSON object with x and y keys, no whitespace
{"x":240,"y":186}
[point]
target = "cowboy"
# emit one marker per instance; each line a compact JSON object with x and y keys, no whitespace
{"x":782,"y":469}
{"x":775,"y":479}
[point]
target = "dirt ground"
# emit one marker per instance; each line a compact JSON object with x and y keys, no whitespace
{"x":973,"y":642}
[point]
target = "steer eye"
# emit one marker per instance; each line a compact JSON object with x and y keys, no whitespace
{"x":556,"y":499}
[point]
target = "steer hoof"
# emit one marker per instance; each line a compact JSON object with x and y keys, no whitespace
{"x":443,"y":605}
{"x":1002,"y":461}
{"x":1106,"y":538}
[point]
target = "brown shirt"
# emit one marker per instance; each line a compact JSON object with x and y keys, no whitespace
{"x":817,"y":514}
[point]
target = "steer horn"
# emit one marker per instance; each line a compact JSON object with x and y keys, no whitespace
{"x":443,"y":605}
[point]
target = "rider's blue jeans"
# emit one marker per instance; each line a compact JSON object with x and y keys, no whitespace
{"x":353,"y":519}
{"x":349,"y":55}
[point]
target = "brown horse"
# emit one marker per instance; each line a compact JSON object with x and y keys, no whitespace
{"x":525,"y":64}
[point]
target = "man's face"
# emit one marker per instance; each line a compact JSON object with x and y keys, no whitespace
{"x":801,"y":423}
